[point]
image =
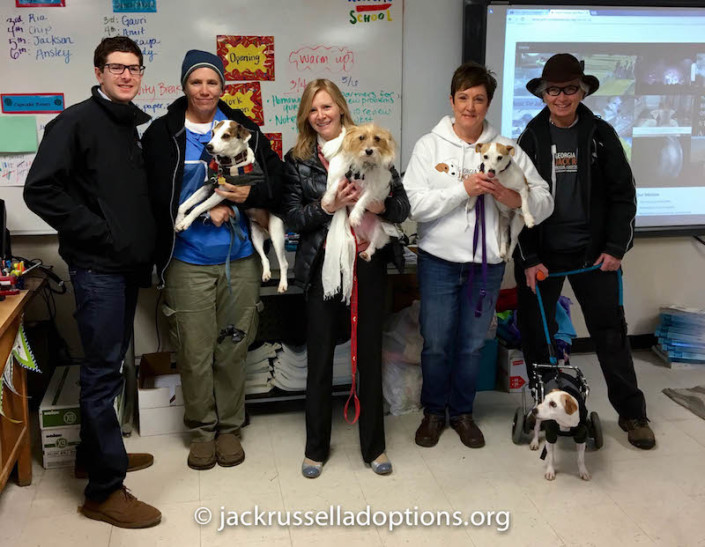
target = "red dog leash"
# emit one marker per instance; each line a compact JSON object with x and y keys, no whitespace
{"x":353,"y":341}
{"x":353,"y":324}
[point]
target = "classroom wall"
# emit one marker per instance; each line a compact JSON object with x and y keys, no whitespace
{"x":657,"y":271}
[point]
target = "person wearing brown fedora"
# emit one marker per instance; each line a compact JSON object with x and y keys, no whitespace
{"x":591,"y":228}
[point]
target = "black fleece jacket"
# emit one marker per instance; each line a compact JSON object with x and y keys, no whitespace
{"x":305,"y":182}
{"x":606,"y":181}
{"x":164,"y":151}
{"x":88,"y":182}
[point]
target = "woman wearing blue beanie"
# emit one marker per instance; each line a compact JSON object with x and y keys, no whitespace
{"x":210,"y":276}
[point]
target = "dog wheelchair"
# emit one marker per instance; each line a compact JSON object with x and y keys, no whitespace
{"x":543,"y":377}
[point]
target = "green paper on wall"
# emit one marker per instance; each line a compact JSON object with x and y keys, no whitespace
{"x":18,"y":134}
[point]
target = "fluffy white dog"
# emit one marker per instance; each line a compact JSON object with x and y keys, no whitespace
{"x":366,"y":152}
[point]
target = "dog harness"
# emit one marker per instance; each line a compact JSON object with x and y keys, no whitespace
{"x":219,"y":164}
{"x":569,"y":384}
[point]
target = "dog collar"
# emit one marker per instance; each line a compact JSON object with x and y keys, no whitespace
{"x":482,"y":167}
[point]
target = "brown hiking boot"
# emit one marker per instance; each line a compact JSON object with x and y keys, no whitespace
{"x":135,"y":462}
{"x":639,"y":432}
{"x":201,"y":455}
{"x":467,"y":429}
{"x":430,"y":430}
{"x":228,"y":450}
{"x":123,"y":510}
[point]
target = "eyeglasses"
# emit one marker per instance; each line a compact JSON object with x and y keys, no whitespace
{"x":554,"y":91}
{"x":117,"y":69}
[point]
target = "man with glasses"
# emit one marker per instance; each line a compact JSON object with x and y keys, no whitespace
{"x":89,"y":183}
{"x":592,"y":225}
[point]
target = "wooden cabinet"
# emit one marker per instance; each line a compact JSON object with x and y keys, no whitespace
{"x":14,"y":437}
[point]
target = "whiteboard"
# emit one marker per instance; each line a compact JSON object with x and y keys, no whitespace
{"x":48,"y":53}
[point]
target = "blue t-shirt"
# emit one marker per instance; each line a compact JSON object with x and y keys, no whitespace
{"x":203,"y":242}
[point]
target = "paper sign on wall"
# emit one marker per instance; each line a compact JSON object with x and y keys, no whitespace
{"x":247,"y":57}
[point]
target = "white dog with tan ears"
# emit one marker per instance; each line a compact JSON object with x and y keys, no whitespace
{"x":563,"y":414}
{"x":364,"y":154}
{"x":233,"y":155}
{"x":497,"y":161}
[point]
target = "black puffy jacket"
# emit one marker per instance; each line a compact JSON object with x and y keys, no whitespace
{"x":88,"y":182}
{"x":305,"y":183}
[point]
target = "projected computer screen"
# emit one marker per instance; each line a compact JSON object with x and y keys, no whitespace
{"x":651,"y":67}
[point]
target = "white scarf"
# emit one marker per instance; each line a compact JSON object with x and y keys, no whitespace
{"x":339,"y":256}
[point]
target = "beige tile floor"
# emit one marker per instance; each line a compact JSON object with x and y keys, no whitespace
{"x":635,"y":497}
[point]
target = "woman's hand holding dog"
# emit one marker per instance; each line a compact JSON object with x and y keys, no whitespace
{"x":481,"y":183}
{"x":347,"y":194}
{"x":220,"y":214}
{"x":236,"y":194}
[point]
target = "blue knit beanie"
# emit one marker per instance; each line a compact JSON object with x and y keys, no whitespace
{"x":196,"y":58}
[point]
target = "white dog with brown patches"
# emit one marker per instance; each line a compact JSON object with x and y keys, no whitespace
{"x":229,"y":146}
{"x":562,"y":409}
{"x":497,"y":160}
{"x":364,"y":154}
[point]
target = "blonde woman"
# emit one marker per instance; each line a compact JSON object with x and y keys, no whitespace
{"x":323,"y":116}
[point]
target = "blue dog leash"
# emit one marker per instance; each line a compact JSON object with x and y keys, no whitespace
{"x":552,"y":357}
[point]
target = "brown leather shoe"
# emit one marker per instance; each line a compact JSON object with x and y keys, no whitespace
{"x":639,"y":432}
{"x":228,"y":450}
{"x":201,"y":455}
{"x":430,"y":430}
{"x":135,"y":462}
{"x":123,"y":510}
{"x":467,"y":429}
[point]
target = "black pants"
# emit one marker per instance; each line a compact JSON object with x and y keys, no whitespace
{"x":598,"y":295}
{"x":323,"y":324}
{"x":105,"y":310}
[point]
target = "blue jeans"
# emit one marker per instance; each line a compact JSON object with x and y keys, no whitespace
{"x":453,"y":335}
{"x":105,"y":309}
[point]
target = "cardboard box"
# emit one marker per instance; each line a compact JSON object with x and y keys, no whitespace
{"x":511,"y":369}
{"x":160,"y":401}
{"x":59,"y":446}
{"x":60,"y":407}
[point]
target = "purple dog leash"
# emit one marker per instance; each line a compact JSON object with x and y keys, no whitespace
{"x":479,"y":226}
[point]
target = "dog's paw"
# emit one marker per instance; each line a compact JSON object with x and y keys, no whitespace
{"x":181,"y":225}
{"x":266,"y":275}
{"x":356,"y":218}
{"x":584,"y":474}
{"x":529,"y":221}
{"x":327,"y":201}
{"x":534,"y":444}
{"x":550,"y":474}
{"x":283,"y":286}
{"x":364,"y":255}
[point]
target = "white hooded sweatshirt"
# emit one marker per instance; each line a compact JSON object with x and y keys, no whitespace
{"x":441,"y":206}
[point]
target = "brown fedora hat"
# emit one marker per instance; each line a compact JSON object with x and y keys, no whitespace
{"x":563,"y":67}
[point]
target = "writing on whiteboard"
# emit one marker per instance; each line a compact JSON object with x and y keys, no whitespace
{"x":35,"y":36}
{"x":136,"y":28}
{"x":332,"y":59}
{"x":365,"y":106}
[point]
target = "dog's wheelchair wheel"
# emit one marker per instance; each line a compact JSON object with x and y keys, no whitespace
{"x":595,"y":430}
{"x":518,"y":426}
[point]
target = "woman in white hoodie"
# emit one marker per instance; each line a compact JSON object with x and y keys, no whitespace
{"x":460,"y":270}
